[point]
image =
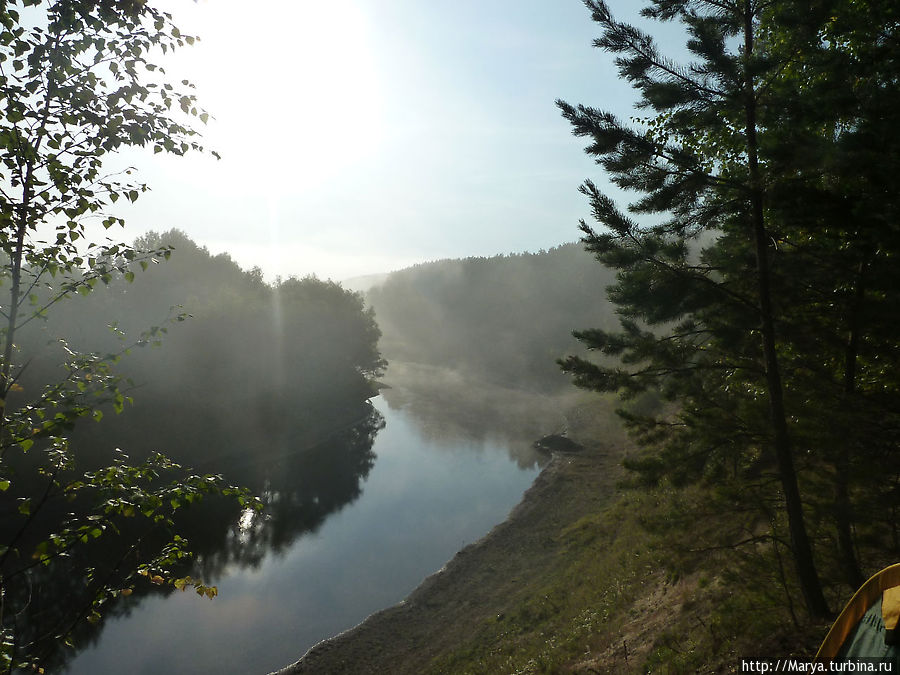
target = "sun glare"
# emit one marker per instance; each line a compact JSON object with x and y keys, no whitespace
{"x":292,"y":85}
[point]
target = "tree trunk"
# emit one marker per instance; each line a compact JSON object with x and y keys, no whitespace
{"x":802,"y":550}
{"x":843,"y":511}
{"x":14,"y":297}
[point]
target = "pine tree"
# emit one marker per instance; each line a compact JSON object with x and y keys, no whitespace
{"x":834,"y":148}
{"x":697,"y":292}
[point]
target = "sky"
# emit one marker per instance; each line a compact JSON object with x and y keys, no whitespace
{"x":364,"y":136}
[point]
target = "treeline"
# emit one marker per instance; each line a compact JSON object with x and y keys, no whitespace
{"x":226,"y":360}
{"x":505,"y":318}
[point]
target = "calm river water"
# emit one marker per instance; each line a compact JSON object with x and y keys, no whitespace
{"x":427,"y":495}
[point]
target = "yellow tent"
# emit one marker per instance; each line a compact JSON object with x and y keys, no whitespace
{"x":867,"y":627}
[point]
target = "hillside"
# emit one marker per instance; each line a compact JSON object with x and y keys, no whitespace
{"x":505,"y":318}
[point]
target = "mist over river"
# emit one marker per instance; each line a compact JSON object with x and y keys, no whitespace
{"x":427,"y":489}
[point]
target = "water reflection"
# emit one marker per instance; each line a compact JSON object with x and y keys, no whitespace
{"x":450,"y":406}
{"x":299,"y":489}
{"x":421,"y":502}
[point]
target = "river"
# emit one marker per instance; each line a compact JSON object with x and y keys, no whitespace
{"x":426,"y":492}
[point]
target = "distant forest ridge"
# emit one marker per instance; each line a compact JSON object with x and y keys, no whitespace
{"x":506,"y":318}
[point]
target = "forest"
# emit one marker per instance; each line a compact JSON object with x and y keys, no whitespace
{"x":297,"y":351}
{"x":505,"y":318}
{"x":165,"y":414}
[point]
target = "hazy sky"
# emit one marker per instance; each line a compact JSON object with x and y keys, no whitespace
{"x":363,"y":136}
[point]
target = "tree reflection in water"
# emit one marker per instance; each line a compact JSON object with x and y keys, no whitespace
{"x":299,"y":485}
{"x":298,"y":490}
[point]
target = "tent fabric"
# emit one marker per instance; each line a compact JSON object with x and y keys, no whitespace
{"x":878,"y":600}
{"x":891,"y":610}
{"x":868,"y":638}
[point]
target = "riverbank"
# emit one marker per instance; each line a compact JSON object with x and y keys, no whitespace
{"x":494,"y":590}
{"x":574,"y":582}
